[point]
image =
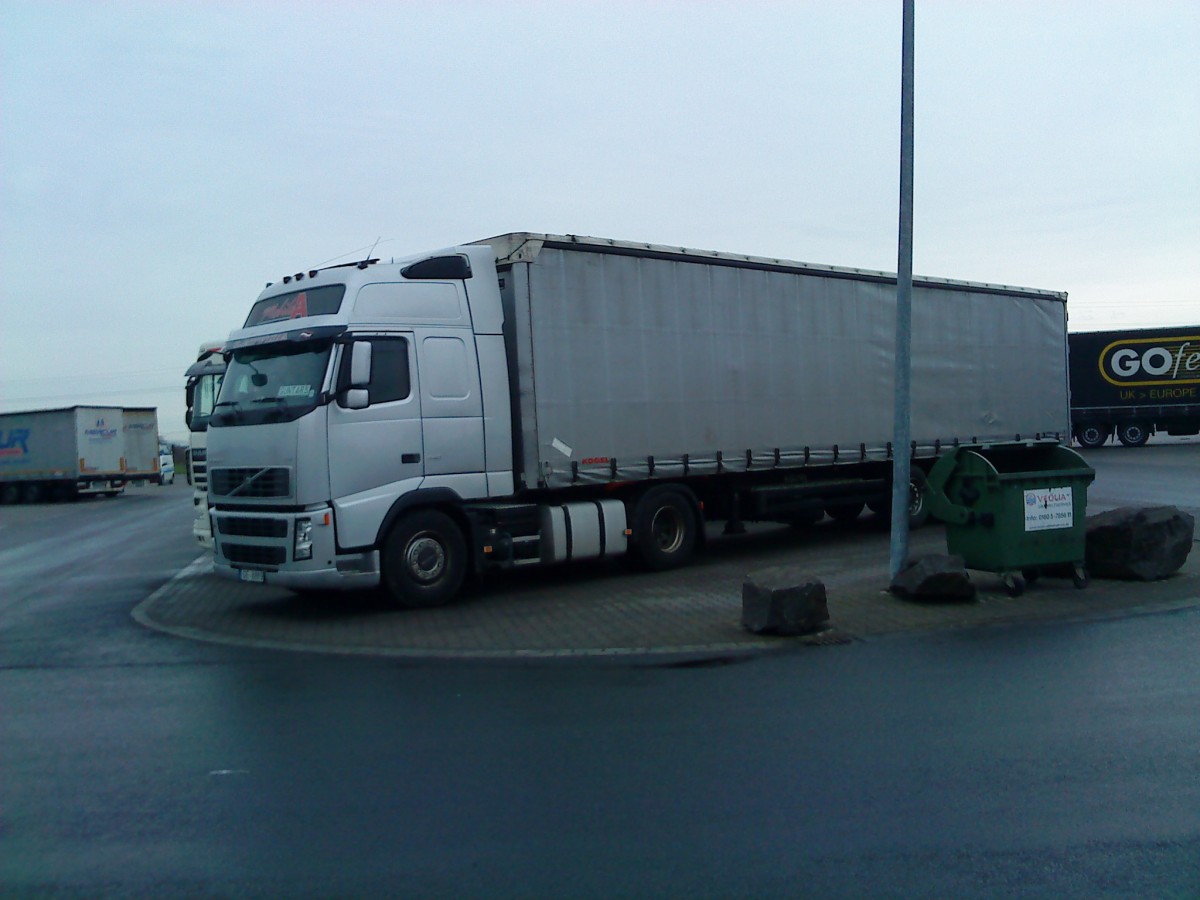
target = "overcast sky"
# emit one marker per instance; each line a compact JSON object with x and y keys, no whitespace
{"x":160,"y":162}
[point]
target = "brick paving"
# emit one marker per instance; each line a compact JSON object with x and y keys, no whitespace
{"x":606,"y":610}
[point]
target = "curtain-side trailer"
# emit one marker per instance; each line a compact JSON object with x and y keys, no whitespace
{"x":1134,"y":383}
{"x":536,"y":398}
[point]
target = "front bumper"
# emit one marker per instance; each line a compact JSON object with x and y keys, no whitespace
{"x":259,"y":547}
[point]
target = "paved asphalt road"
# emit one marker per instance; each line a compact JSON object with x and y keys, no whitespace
{"x":1048,"y":760}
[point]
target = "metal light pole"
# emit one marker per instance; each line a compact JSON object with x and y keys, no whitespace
{"x":902,"y":430}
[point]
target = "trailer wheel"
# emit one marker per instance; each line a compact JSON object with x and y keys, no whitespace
{"x":10,"y":494}
{"x":918,"y":508}
{"x":31,"y":492}
{"x":665,"y":528}
{"x":1091,"y":436}
{"x":1133,"y":435}
{"x":424,"y":560}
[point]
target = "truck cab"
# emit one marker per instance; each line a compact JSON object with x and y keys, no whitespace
{"x":202,"y":386}
{"x":361,"y":402}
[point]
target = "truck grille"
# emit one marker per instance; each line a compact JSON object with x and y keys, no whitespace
{"x":254,"y":554}
{"x":249,"y":482}
{"x":252,"y":527}
{"x":200,"y":468}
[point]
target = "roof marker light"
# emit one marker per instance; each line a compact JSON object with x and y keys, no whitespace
{"x":287,"y":279}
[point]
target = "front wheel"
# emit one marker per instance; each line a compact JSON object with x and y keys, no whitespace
{"x":1133,"y":435}
{"x":424,"y":560}
{"x":665,"y":528}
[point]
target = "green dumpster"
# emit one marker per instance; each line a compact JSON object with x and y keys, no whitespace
{"x":1016,"y":511}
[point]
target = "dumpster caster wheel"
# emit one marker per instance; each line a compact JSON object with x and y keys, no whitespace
{"x":1014,"y":585}
{"x":1080,"y":577}
{"x":1030,"y":575}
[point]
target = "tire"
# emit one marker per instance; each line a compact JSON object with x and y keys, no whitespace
{"x":845,"y":512}
{"x":424,"y":560}
{"x":666,"y":528}
{"x":1014,"y":585}
{"x":10,"y":493}
{"x":918,"y":503}
{"x":31,"y":492}
{"x":1092,"y":436}
{"x":1133,"y":435}
{"x":918,"y":507}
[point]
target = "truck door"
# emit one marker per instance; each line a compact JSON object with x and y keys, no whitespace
{"x":383,"y":443}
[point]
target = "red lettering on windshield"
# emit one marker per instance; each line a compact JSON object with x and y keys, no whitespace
{"x":295,"y":307}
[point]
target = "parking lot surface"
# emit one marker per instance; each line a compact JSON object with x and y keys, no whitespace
{"x":608,"y":610}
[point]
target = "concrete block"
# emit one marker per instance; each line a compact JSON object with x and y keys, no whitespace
{"x":783,"y":600}
{"x":1139,"y":543}
{"x":934,"y":578}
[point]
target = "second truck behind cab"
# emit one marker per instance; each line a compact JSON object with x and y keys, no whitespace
{"x":1134,"y":383}
{"x":535,"y":398}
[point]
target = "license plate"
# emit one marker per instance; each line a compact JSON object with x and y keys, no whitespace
{"x":249,"y":575}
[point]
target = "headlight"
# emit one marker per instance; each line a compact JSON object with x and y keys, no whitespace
{"x":302,"y":548}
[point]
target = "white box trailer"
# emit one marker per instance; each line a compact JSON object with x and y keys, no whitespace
{"x":535,"y":398}
{"x":59,"y":454}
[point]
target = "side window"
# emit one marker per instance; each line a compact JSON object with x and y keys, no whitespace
{"x":389,"y":371}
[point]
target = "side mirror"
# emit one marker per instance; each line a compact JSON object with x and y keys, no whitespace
{"x":360,"y":364}
{"x":357,"y":398}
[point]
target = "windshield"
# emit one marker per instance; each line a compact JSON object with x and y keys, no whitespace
{"x":276,"y":383}
{"x":201,"y":398}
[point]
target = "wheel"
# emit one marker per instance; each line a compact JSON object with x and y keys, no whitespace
{"x":1014,"y":585}
{"x":1080,"y":577}
{"x":845,"y":512}
{"x":1030,"y":575}
{"x":1133,"y":435}
{"x":918,"y":508}
{"x":424,"y":560}
{"x":10,"y":493}
{"x":31,"y":492}
{"x":665,"y":528}
{"x":1092,"y":436}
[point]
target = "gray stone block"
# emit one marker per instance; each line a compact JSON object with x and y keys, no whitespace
{"x":783,"y":600}
{"x":1139,"y":543}
{"x":934,"y":578}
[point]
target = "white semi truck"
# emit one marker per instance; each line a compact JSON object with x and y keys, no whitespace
{"x":63,"y":454}
{"x":202,"y":386}
{"x":533,"y":398}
